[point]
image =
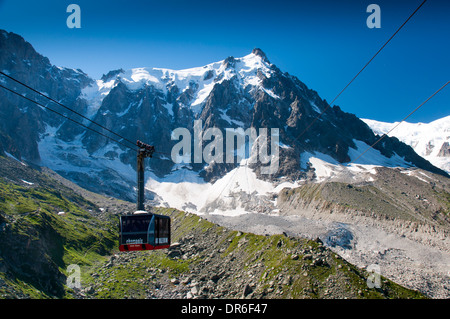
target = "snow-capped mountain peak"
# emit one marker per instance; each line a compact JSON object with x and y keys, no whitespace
{"x":198,"y":81}
{"x":149,"y":104}
{"x":429,"y":140}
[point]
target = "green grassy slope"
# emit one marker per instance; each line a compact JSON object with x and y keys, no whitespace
{"x":38,"y":242}
{"x":44,"y":228}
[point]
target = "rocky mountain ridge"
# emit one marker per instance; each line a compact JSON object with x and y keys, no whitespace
{"x":429,"y":140}
{"x":150,"y":103}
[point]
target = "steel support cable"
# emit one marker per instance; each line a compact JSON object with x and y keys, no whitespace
{"x":64,"y":106}
{"x":342,"y":167}
{"x":354,"y":78}
{"x":404,"y":119}
{"x":66,"y":117}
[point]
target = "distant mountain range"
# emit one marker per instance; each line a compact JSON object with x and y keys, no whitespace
{"x":429,"y":140}
{"x":150,"y":103}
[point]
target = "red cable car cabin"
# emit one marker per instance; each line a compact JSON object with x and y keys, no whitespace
{"x":144,"y":231}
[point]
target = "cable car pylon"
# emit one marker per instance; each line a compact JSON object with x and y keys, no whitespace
{"x":143,"y":230}
{"x":145,"y":150}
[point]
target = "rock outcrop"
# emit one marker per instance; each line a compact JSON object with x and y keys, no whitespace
{"x":149,"y":104}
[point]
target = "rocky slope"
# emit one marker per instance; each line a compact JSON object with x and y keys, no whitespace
{"x":44,"y":227}
{"x":424,"y":200}
{"x":55,"y":226}
{"x":399,"y":221}
{"x":208,"y":261}
{"x":21,"y":122}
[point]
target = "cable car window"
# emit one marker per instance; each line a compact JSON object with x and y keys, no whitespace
{"x":135,"y":229}
{"x":163,"y":227}
{"x":144,"y":232}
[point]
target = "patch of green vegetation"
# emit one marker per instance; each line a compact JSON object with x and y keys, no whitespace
{"x":444,"y":199}
{"x":257,"y":243}
{"x":161,"y":261}
{"x":21,"y":288}
{"x":395,"y":291}
{"x":46,"y":237}
{"x":307,"y":192}
{"x":135,"y":276}
{"x":233,"y":238}
{"x":77,"y":237}
{"x":184,"y":223}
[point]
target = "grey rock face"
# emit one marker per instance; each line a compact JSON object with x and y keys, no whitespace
{"x":445,"y":150}
{"x":241,"y":96}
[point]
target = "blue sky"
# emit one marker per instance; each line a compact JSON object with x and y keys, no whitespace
{"x":324,"y":43}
